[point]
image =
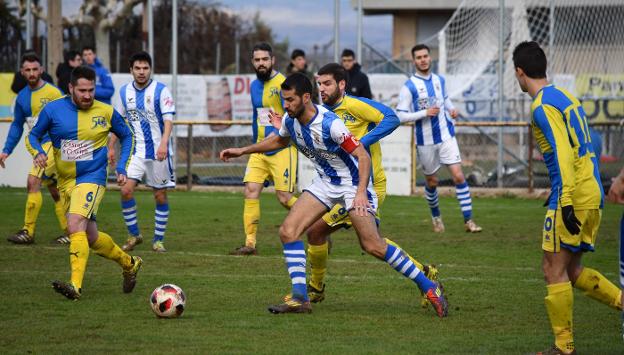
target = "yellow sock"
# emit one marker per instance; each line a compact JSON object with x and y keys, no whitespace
{"x":106,"y":247}
{"x":418,"y":264}
{"x":60,"y":215}
{"x":251,"y":218}
{"x":599,"y":288}
{"x":34,"y":200}
{"x":559,"y":304}
{"x":78,"y":256}
{"x":317,"y":257}
{"x":291,"y":202}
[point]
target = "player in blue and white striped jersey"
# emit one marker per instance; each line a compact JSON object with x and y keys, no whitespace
{"x":424,"y":100}
{"x":343,"y":168}
{"x":148,"y":106}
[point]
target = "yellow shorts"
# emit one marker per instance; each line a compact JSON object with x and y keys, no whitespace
{"x":281,"y":168}
{"x":555,"y":235}
{"x":82,"y":199}
{"x":48,"y":175}
{"x":339,"y":216}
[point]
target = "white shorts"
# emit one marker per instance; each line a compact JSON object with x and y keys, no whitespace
{"x":158,"y":174}
{"x":329,"y":194}
{"x":432,"y":155}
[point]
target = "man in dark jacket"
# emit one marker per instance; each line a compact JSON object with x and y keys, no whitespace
{"x":104,"y":88}
{"x":19,"y":82}
{"x":357,"y":83}
{"x":298,"y":64}
{"x":63,"y":71}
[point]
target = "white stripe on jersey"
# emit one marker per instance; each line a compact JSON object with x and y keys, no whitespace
{"x":144,"y":110}
{"x":429,"y":92}
{"x":320,"y":141}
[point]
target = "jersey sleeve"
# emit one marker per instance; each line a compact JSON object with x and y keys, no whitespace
{"x":375,"y":112}
{"x":120,"y":128}
{"x":343,"y":137}
{"x":16,"y":130}
{"x":550,"y":121}
{"x":167,"y":106}
{"x":39,"y":130}
{"x":405,"y":100}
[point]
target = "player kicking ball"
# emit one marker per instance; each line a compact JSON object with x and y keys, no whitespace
{"x":343,"y":168}
{"x":148,"y":106}
{"x":78,"y":127}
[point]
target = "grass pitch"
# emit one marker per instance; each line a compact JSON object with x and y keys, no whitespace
{"x":493,"y":280}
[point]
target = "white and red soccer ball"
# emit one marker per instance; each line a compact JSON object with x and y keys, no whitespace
{"x":168,"y":301}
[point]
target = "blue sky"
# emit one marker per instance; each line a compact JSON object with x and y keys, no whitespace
{"x":304,"y":23}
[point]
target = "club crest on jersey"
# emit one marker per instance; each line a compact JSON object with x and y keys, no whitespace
{"x":148,"y":100}
{"x":273,"y":91}
{"x":347,"y":117}
{"x":98,"y":121}
{"x":44,"y":101}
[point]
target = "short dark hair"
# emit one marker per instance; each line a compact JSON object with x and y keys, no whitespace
{"x":347,"y":53}
{"x":141,"y":56}
{"x":87,"y":48}
{"x":262,"y":46}
{"x":71,"y":54}
{"x":30,"y":57}
{"x":298,"y":82}
{"x":297,"y":53}
{"x":530,"y":57}
{"x":82,"y":72}
{"x":334,"y":69}
{"x":419,"y":47}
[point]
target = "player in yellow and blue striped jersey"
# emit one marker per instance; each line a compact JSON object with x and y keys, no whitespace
{"x":79,"y":127}
{"x":30,"y":101}
{"x":576,"y":198}
{"x":280,"y":165}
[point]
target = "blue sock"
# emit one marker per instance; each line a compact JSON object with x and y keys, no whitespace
{"x":160,"y":221}
{"x":401,"y":262}
{"x":431,"y":194}
{"x":462,"y":192}
{"x":129,"y":210}
{"x":295,"y":256}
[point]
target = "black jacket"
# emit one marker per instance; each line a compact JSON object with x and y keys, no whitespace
{"x":63,"y":73}
{"x":357,"y":83}
{"x":19,"y":82}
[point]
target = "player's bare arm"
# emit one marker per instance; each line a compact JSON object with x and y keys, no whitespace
{"x":161,"y":153}
{"x":360,"y":203}
{"x":112,"y":140}
{"x":274,"y":142}
{"x":41,"y":160}
{"x":616,"y":191}
{"x":3,"y":158}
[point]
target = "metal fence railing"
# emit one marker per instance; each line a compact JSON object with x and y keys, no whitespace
{"x":198,"y":143}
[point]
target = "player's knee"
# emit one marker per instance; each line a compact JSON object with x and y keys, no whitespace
{"x":316,"y":236}
{"x":432,"y":180}
{"x":374,"y":247}
{"x":252,"y":190}
{"x":33,"y":184}
{"x":160,"y":196}
{"x":574,"y":271}
{"x":553,"y":274}
{"x":283,"y":198}
{"x":126,"y":193}
{"x":288,"y":233}
{"x":459,"y":178}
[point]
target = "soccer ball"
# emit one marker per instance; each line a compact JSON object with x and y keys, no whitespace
{"x":168,"y":301}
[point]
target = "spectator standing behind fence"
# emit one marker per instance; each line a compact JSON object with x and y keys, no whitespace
{"x":357,"y":82}
{"x":63,"y":71}
{"x":423,"y":99}
{"x":104,"y":88}
{"x":20,"y":82}
{"x":299,"y":64}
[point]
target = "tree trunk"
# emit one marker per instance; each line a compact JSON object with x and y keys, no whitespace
{"x":55,"y":37}
{"x":103,"y":43}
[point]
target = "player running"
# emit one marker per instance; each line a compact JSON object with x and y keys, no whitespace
{"x":148,"y":107}
{"x":343,"y":168}
{"x":279,"y":165}
{"x":424,"y":100}
{"x":575,"y":203}
{"x":30,"y":100}
{"x":79,"y":127}
{"x":369,"y":121}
